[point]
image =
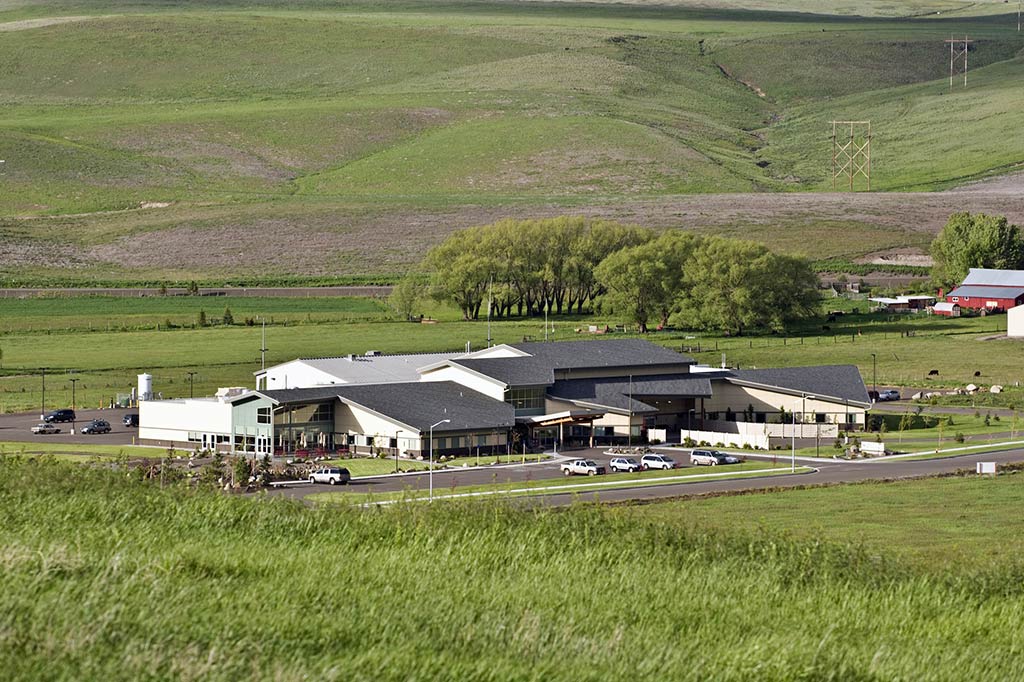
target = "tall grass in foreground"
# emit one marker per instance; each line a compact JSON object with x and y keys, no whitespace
{"x":107,"y":578}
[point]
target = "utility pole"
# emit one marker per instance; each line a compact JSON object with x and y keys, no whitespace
{"x":42,"y":404}
{"x":191,"y":393}
{"x":74,"y":380}
{"x":874,"y":374}
{"x":263,"y":345}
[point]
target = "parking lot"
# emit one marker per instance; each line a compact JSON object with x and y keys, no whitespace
{"x":18,"y":428}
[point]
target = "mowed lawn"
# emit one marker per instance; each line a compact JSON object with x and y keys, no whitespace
{"x":968,"y":522}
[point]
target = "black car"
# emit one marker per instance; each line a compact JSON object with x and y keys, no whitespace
{"x":97,"y":426}
{"x":60,"y":416}
{"x":130,"y":420}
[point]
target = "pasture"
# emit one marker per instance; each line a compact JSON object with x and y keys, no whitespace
{"x":105,"y":346}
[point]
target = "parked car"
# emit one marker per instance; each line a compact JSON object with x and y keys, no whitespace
{"x":624,"y":464}
{"x":45,"y":427}
{"x":889,"y":394}
{"x":582,"y":467}
{"x":130,"y":420}
{"x":97,"y":426}
{"x":331,"y":475}
{"x":60,"y":416}
{"x":657,"y":462}
{"x":711,"y":458}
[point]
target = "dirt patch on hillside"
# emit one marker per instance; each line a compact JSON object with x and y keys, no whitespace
{"x":26,"y":24}
{"x":320,"y":238}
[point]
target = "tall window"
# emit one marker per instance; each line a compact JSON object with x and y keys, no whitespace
{"x":526,"y":399}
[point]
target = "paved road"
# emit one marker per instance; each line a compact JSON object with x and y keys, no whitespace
{"x":302,"y":292}
{"x":17,"y":427}
{"x":828,"y":472}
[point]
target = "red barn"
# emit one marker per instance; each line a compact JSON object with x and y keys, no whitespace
{"x":989,"y":290}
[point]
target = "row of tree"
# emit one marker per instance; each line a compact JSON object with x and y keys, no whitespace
{"x":579,"y":265}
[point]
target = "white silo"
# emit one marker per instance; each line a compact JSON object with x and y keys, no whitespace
{"x":145,"y":387}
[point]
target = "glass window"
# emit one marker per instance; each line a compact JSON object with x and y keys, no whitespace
{"x":262,"y":415}
{"x":525,"y":398}
{"x":324,"y":413}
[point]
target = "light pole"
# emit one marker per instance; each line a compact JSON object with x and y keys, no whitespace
{"x":874,"y":376}
{"x":42,"y":404}
{"x":74,"y":380}
{"x":792,"y":436}
{"x":191,"y":393}
{"x":398,"y":448}
{"x":263,"y":345}
{"x":431,"y":439}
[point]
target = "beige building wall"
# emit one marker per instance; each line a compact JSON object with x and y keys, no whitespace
{"x":739,"y":398}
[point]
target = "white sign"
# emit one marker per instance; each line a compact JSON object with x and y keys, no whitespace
{"x":986,"y":467}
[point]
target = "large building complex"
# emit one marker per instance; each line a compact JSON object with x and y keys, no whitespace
{"x":571,"y":393}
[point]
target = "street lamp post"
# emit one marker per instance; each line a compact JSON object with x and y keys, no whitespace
{"x":42,"y":404}
{"x":792,"y":436}
{"x":191,"y":393}
{"x":398,"y":448}
{"x":74,"y":380}
{"x":874,"y":375}
{"x":431,"y":439}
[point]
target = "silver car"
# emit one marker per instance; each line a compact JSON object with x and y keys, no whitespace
{"x":627,"y":464}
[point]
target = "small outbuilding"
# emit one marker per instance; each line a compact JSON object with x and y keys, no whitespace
{"x":946,"y":309}
{"x":1015,"y":322}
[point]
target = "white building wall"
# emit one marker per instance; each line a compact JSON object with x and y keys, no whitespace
{"x":175,"y":419}
{"x":295,"y":374}
{"x":1015,"y":322}
{"x":468,"y":379}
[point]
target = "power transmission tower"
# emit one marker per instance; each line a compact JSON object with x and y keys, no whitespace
{"x":851,"y":152}
{"x":958,"y":49}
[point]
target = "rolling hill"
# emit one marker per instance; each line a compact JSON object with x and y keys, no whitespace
{"x":149,"y":140}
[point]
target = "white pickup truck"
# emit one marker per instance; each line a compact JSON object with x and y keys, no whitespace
{"x":582,"y":467}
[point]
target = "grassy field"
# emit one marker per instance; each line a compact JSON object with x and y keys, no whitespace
{"x":106,"y":349}
{"x":148,"y":141}
{"x":894,"y":520}
{"x":188,"y":585}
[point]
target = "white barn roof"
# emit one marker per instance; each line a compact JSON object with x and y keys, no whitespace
{"x":994,"y":278}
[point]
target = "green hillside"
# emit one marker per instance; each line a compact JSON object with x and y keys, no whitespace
{"x":373,"y":111}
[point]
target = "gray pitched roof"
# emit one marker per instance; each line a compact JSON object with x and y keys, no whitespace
{"x":841,"y":382}
{"x":422,"y":403}
{"x":602,"y":353}
{"x":511,"y":371}
{"x":995,"y":278}
{"x":987,"y":291}
{"x":614,"y":392}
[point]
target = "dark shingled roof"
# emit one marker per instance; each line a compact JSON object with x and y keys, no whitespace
{"x":614,"y":392}
{"x":842,"y":382}
{"x":417,"y":404}
{"x":512,"y":371}
{"x":602,"y":353}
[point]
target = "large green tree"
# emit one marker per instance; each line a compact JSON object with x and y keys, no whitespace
{"x":975,"y":241}
{"x":643,"y":282}
{"x":733,"y":285}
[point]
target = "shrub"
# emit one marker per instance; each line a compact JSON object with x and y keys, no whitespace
{"x":959,"y":437}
